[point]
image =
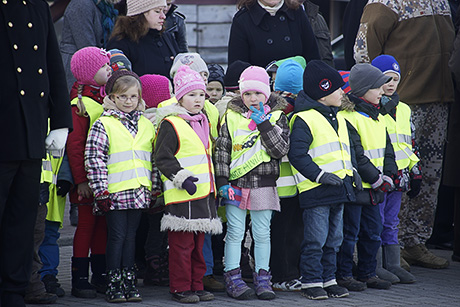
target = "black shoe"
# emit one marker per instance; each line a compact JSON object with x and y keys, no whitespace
{"x":185,"y":297}
{"x":315,"y":293}
{"x":204,"y":295}
{"x":441,"y":245}
{"x":376,"y":283}
{"x":52,"y":285}
{"x":42,"y":298}
{"x":351,"y":284}
{"x":336,"y":291}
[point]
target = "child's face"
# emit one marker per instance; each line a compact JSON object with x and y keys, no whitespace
{"x":334,"y":99}
{"x":204,"y":75}
{"x":193,"y":101}
{"x":252,"y":99}
{"x":391,"y":87}
{"x":373,"y":95}
{"x":156,"y":17}
{"x":215,"y":91}
{"x":127,"y":101}
{"x":103,"y":74}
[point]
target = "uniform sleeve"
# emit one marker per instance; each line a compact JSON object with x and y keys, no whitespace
{"x":96,"y":156}
{"x":275,"y":138}
{"x":222,"y":156}
{"x":165,"y":149}
{"x":376,"y":25}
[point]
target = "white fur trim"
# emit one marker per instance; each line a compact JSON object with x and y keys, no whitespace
{"x":173,"y":223}
{"x":180,"y":177}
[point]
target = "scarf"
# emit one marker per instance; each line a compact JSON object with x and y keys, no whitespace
{"x":200,"y":125}
{"x":271,"y":10}
{"x":109,"y":14}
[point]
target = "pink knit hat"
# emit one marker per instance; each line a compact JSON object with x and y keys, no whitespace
{"x":86,"y":62}
{"x":255,"y":78}
{"x":155,"y":89}
{"x":187,"y":80}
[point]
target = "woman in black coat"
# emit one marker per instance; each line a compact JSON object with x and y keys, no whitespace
{"x":275,"y":30}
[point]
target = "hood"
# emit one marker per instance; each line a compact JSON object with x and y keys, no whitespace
{"x":169,"y":110}
{"x":275,"y":102}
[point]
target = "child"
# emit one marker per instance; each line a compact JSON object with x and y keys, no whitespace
{"x":90,"y":66}
{"x":252,"y":140}
{"x":215,"y":88}
{"x":320,"y":155}
{"x":397,"y":117}
{"x":121,"y":182}
{"x":183,"y":156}
{"x":361,"y":220}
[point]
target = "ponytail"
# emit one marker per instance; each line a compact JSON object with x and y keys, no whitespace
{"x":80,"y":105}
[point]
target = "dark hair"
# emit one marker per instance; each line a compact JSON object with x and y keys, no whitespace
{"x":292,"y":4}
{"x":131,"y":27}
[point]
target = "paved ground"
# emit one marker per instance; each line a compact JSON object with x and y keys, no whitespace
{"x":433,"y":288}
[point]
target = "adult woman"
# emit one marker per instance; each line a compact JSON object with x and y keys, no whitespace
{"x":139,"y":35}
{"x":267,"y":30}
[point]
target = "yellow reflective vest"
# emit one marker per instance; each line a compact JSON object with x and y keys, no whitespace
{"x":129,"y":164}
{"x":286,"y":185}
{"x":194,"y":157}
{"x":247,"y":149}
{"x":330,"y":149}
{"x":373,"y":136}
{"x":401,"y":136}
{"x":56,"y":204}
{"x":93,"y":108}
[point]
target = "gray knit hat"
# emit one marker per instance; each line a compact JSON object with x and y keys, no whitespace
{"x":192,"y":59}
{"x":136,"y":7}
{"x":364,"y":77}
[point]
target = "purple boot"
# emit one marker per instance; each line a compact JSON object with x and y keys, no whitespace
{"x":236,"y":287}
{"x":263,"y":284}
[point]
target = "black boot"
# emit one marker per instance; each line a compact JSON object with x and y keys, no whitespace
{"x":98,"y":279}
{"x":80,"y":285}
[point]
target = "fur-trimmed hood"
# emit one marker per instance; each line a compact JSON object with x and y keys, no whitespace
{"x":351,"y":103}
{"x":275,"y":102}
{"x":169,"y":110}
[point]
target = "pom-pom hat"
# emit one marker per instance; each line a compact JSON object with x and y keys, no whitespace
{"x":320,"y":80}
{"x":136,"y":7}
{"x":255,"y":78}
{"x":187,"y":80}
{"x":86,"y":62}
{"x":155,"y":89}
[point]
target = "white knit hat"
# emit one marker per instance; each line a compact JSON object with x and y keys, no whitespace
{"x":136,"y":7}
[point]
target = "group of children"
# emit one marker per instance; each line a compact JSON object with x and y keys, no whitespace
{"x":329,"y":169}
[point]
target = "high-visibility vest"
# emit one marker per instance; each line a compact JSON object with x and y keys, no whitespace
{"x":211,"y":112}
{"x":247,"y":149}
{"x":401,"y":136}
{"x":194,"y":157}
{"x":329,"y":149}
{"x":93,"y":108}
{"x":129,"y":164}
{"x":56,"y":204}
{"x":285,"y":184}
{"x":373,"y":136}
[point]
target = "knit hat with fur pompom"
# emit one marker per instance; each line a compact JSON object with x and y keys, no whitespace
{"x":86,"y":62}
{"x":187,"y":80}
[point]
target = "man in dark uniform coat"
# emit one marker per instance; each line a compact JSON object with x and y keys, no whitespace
{"x":32,"y":90}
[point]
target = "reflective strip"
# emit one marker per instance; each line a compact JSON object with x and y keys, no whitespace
{"x":202,"y":178}
{"x":375,"y":153}
{"x":54,"y":180}
{"x":327,"y":148}
{"x":242,"y":132}
{"x":193,"y":160}
{"x":285,"y":159}
{"x":299,"y":178}
{"x":46,"y":164}
{"x":246,"y":156}
{"x":128,"y":156}
{"x":403,"y":154}
{"x":129,"y":174}
{"x":398,"y":138}
{"x":285,"y":181}
{"x":335,"y":166}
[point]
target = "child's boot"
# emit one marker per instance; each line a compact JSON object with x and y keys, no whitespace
{"x":129,"y":285}
{"x":263,"y":284}
{"x":381,"y":272}
{"x":80,"y":285}
{"x":235,"y":285}
{"x":98,"y":279}
{"x":114,"y":292}
{"x":392,"y":258}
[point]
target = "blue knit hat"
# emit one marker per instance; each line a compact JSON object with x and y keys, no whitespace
{"x":289,"y":77}
{"x":387,"y":63}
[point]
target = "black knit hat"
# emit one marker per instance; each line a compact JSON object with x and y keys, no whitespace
{"x":117,"y":74}
{"x":216,"y":73}
{"x":320,"y":79}
{"x":232,"y":76}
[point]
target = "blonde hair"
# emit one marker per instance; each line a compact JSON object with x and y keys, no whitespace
{"x":80,"y":105}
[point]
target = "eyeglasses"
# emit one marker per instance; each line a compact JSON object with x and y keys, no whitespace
{"x":124,"y":98}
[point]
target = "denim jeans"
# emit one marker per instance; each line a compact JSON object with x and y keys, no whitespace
{"x":207,"y":254}
{"x":49,"y":249}
{"x":362,"y":224}
{"x":323,"y":227}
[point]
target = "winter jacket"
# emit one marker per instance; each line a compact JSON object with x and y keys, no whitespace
{"x":175,"y":24}
{"x":275,"y":139}
{"x":192,"y":216}
{"x":152,"y":54}
{"x":420,"y":35}
{"x":300,"y":139}
{"x":350,"y":24}
{"x":258,"y":38}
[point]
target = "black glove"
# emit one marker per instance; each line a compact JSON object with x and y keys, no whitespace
{"x":415,"y":185}
{"x":357,"y":179}
{"x":63,"y":187}
{"x":189,"y":185}
{"x":331,"y":179}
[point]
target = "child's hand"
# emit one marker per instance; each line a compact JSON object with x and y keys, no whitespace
{"x":258,"y":116}
{"x":63,"y":187}
{"x":227,"y":192}
{"x":387,"y":185}
{"x":103,"y":202}
{"x":189,"y":185}
{"x":84,"y":191}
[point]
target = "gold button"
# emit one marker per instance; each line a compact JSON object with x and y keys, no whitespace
{"x":35,"y":47}
{"x":22,"y":93}
{"x":40,"y":71}
{"x":10,"y":24}
{"x":5,"y":2}
{"x":42,"y":94}
{"x":30,"y":25}
{"x":15,"y":47}
{"x":23,"y":2}
{"x":19,"y":69}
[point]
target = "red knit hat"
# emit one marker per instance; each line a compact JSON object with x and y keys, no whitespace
{"x":155,"y":89}
{"x":187,"y":80}
{"x":86,"y":62}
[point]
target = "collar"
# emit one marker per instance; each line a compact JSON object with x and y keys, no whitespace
{"x":257,"y":13}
